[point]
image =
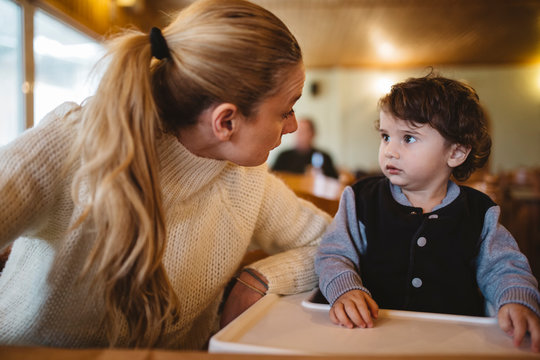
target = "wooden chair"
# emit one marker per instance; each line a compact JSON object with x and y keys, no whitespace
{"x":521,"y":211}
{"x":487,"y":183}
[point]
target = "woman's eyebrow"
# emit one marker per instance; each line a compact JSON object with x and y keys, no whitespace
{"x":296,"y":98}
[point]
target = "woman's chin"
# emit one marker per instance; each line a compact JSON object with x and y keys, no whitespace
{"x":251,"y":162}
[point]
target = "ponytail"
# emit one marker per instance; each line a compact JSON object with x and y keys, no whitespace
{"x":119,"y":172}
{"x":209,"y":58}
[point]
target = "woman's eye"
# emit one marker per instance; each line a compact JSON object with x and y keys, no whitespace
{"x":287,"y":114}
{"x":409,"y":139}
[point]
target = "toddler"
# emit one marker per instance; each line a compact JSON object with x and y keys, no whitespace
{"x":415,"y":240}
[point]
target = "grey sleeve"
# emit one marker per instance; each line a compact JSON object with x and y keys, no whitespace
{"x":503,"y":272}
{"x":337,"y":262}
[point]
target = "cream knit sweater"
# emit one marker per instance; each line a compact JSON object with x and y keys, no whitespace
{"x":214,"y":211}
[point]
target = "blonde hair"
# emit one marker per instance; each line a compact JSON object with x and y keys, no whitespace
{"x":221,"y":51}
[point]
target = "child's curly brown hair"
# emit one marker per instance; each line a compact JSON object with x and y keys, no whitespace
{"x":450,"y":107}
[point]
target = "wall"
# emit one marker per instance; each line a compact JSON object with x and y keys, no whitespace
{"x":346,"y":107}
{"x":98,"y":18}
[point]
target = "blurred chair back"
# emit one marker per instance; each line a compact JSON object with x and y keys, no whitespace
{"x":521,"y":211}
{"x":321,"y":190}
{"x":487,"y":183}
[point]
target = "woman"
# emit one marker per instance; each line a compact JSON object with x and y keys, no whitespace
{"x":129,"y":214}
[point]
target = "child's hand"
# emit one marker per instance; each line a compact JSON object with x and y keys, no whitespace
{"x":354,"y":308}
{"x":516,"y":320}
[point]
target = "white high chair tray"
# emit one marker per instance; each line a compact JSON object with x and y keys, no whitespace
{"x":295,"y":325}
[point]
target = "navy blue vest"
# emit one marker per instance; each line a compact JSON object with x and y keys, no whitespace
{"x":421,"y":262}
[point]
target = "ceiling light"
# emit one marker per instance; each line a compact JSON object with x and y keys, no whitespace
{"x":126,"y":3}
{"x":386,"y":50}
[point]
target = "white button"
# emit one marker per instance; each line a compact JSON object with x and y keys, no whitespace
{"x":433,"y":216}
{"x":416,"y":282}
{"x":422,"y":241}
{"x":413,"y":212}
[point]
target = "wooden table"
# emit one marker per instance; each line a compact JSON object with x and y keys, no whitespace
{"x":23,"y":353}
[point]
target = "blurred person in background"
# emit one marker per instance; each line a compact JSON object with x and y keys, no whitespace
{"x":304,"y":156}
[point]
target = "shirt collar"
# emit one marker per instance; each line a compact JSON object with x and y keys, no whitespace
{"x":452,"y":192}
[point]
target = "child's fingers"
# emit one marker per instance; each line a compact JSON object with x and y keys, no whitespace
{"x":520,"y":329}
{"x":357,"y":312}
{"x":333,"y":316}
{"x":516,"y":320}
{"x":534,"y":329}
{"x":373,"y":307}
{"x":505,"y":323}
{"x":513,"y":322}
{"x":354,"y":308}
{"x":365,"y":315}
{"x":339,"y":316}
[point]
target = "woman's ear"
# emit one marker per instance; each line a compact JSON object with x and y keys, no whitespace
{"x":225,"y":119}
{"x":458,"y":155}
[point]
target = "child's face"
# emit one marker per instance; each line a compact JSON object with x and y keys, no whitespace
{"x":414,"y":158}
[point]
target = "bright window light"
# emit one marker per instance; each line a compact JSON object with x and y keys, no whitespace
{"x":64,"y":59}
{"x":11,"y":95}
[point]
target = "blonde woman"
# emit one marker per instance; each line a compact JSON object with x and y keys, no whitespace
{"x":129,"y":214}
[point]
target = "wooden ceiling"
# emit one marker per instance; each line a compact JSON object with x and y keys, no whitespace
{"x":404,"y":33}
{"x":365,"y":33}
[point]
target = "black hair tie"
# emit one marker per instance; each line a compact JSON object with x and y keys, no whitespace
{"x":159,"y":47}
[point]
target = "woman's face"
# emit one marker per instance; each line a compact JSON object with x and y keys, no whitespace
{"x":273,"y":118}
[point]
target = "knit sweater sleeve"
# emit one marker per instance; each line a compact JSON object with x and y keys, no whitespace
{"x":338,"y":257}
{"x":503,"y":273}
{"x":30,"y":169}
{"x":290,"y":229}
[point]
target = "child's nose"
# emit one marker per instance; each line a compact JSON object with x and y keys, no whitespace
{"x":391,"y":152}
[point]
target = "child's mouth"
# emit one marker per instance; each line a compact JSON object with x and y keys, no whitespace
{"x":392,"y":170}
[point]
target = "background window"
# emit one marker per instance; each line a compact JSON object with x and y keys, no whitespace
{"x":11,"y":96}
{"x":64,"y":59}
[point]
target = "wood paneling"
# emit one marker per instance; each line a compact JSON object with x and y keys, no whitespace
{"x":98,"y":18}
{"x":365,"y":33}
{"x":350,"y":33}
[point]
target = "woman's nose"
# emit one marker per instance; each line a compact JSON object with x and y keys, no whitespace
{"x":290,"y":125}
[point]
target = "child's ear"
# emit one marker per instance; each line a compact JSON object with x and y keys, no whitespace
{"x":458,"y":155}
{"x":224,"y":119}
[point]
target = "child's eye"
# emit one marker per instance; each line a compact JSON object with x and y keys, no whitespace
{"x":287,"y":114}
{"x":409,"y":139}
{"x":385,"y":137}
